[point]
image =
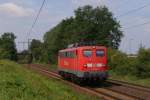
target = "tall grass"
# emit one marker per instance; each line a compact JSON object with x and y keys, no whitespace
{"x":18,"y":83}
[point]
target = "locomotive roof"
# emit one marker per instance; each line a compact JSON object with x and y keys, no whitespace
{"x":82,"y":47}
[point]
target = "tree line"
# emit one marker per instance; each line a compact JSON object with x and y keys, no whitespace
{"x":8,"y":47}
{"x":122,"y":64}
{"x":92,"y":24}
{"x":88,"y":24}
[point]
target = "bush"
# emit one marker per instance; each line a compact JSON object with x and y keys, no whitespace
{"x":120,"y":63}
{"x":123,"y":65}
{"x":24,"y":57}
{"x":143,"y":66}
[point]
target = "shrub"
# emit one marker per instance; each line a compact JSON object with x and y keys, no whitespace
{"x":143,"y":66}
{"x":120,"y":63}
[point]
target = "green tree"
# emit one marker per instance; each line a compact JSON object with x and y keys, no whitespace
{"x":8,"y":47}
{"x":36,"y":49}
{"x":143,"y":66}
{"x":24,"y":57}
{"x":88,"y":24}
{"x":121,"y":64}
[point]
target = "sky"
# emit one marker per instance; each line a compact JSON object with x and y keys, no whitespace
{"x":17,"y":16}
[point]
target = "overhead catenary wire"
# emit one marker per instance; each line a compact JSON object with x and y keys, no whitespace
{"x":122,"y":15}
{"x":138,"y":25}
{"x":36,"y":18}
{"x":34,"y":22}
{"x":133,"y":11}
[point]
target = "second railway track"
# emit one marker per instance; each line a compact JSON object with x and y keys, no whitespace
{"x":114,"y":90}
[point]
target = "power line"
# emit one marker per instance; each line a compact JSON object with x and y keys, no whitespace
{"x":34,"y":22}
{"x":23,"y":43}
{"x":36,"y":18}
{"x":138,"y":25}
{"x":134,"y":10}
{"x":116,"y":7}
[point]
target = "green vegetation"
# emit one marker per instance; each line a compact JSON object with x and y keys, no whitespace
{"x":24,"y":57}
{"x":98,"y":25}
{"x":136,"y":70}
{"x":37,"y":49}
{"x":18,"y":83}
{"x":88,"y":24}
{"x":143,"y":63}
{"x":130,"y":79}
{"x":120,"y":63}
{"x":8,"y":47}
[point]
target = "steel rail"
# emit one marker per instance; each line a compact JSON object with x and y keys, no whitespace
{"x":104,"y":93}
{"x":131,"y":85}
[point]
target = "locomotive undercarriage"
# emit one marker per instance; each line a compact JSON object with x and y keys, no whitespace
{"x":87,"y":78}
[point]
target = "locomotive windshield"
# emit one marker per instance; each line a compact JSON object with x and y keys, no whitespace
{"x":87,"y":53}
{"x":99,"y":53}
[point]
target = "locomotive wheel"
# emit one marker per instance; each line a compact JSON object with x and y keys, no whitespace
{"x":104,"y":79}
{"x":65,"y":76}
{"x":73,"y":78}
{"x":79,"y":81}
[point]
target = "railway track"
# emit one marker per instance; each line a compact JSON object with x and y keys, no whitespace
{"x":109,"y":90}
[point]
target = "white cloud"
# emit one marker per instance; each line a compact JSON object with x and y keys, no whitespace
{"x":88,"y":2}
{"x":15,"y":10}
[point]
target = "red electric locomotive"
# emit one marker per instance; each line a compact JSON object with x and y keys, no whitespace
{"x":83,"y":62}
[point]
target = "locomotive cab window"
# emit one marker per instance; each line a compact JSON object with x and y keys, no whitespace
{"x":100,"y":53}
{"x":87,"y":53}
{"x":69,"y":54}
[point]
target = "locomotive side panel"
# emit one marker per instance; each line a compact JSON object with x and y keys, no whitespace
{"x":67,"y":61}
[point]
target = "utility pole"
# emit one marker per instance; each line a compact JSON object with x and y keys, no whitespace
{"x":141,"y":45}
{"x":29,"y":43}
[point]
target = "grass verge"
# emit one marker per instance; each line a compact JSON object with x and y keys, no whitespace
{"x":131,"y":79}
{"x":18,"y":83}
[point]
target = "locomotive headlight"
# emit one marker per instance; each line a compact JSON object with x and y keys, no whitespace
{"x":85,"y":65}
{"x":100,"y":65}
{"x":89,"y":65}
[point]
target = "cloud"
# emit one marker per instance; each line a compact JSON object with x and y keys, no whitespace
{"x":15,"y":10}
{"x":88,"y":2}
